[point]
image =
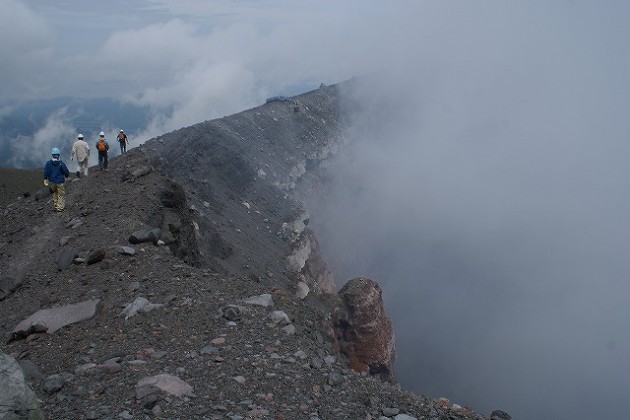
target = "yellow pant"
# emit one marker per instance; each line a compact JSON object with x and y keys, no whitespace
{"x":59,"y":196}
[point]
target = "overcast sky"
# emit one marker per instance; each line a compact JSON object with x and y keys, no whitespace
{"x":204,"y":59}
{"x":487,"y":186}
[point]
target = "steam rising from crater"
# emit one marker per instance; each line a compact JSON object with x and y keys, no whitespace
{"x":485,"y":189}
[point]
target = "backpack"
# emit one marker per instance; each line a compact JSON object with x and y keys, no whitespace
{"x":101,"y":145}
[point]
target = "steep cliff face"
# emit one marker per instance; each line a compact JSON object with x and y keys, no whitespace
{"x":249,"y":170}
{"x":363,"y":331}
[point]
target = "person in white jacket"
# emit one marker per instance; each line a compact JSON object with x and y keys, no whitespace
{"x":81,"y":150}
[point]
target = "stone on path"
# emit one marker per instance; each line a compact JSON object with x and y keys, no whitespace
{"x":52,"y":319}
{"x":126,"y":250}
{"x":280,"y":317}
{"x":140,"y":304}
{"x":145,"y":235}
{"x":168,"y":384}
{"x":95,"y":256}
{"x":261,"y":300}
{"x":65,"y":257}
{"x":131,"y":176}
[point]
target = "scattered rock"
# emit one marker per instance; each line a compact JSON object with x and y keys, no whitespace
{"x":262,"y":300}
{"x":302,"y":290}
{"x":390,"y":411}
{"x":145,"y":235}
{"x":279,"y":317}
{"x":217,"y":341}
{"x":95,"y":256}
{"x":65,"y":257}
{"x":53,"y":384}
{"x":140,"y":304}
{"x":52,"y":319}
{"x":289,"y":329}
{"x":131,"y":176}
{"x":126,"y":250}
{"x":208,"y":350}
{"x":231,"y":312}
{"x":168,"y":384}
{"x":74,"y":223}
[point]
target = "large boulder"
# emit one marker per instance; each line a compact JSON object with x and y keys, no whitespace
{"x":17,"y":399}
{"x":364,"y":332}
{"x":51,"y":319}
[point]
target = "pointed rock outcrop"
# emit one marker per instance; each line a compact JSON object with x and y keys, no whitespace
{"x":364,"y":332}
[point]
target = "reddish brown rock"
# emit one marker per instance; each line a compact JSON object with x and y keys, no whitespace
{"x":364,"y":332}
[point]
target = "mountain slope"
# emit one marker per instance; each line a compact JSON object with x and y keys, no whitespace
{"x":16,"y":183}
{"x":239,"y":305}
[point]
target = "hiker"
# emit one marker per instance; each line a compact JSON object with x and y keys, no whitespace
{"x":102,"y":146}
{"x":55,"y":174}
{"x":122,"y":139}
{"x":81,"y":150}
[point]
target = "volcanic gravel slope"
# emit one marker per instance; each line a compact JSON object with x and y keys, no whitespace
{"x":225,"y":188}
{"x":19,"y":183}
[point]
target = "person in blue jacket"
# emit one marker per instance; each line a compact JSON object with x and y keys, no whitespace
{"x":55,"y":174}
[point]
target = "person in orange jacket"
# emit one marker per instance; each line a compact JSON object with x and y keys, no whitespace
{"x":103,"y":147}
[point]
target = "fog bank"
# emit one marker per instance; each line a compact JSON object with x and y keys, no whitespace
{"x":485,"y":189}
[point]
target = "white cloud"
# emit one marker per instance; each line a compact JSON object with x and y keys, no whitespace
{"x":56,"y":132}
{"x":26,"y":50}
{"x":485,"y":192}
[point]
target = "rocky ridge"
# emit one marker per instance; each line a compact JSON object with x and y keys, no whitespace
{"x":210,"y":297}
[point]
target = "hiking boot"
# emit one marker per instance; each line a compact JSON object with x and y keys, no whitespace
{"x":78,"y":174}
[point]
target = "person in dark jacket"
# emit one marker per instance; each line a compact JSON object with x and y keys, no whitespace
{"x":123,"y":140}
{"x":55,"y":174}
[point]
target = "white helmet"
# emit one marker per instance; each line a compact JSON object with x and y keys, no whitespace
{"x":122,"y":131}
{"x":101,"y":134}
{"x":80,"y":136}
